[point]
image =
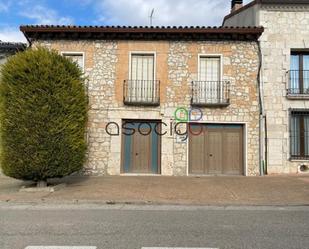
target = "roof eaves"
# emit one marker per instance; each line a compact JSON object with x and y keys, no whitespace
{"x":136,"y":32}
{"x":73,"y":28}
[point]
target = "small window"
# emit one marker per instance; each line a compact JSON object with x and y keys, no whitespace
{"x":299,"y":73}
{"x":75,"y":57}
{"x":299,"y":134}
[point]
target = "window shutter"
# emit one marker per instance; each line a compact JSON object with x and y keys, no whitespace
{"x":209,"y":68}
{"x":306,"y":73}
{"x":299,"y":134}
{"x":295,"y":135}
{"x":141,"y":81}
{"x":142,"y":67}
{"x":306,"y":130}
{"x":209,"y":79}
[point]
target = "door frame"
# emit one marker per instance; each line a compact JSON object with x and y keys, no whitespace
{"x":122,"y":172}
{"x":245,"y":144}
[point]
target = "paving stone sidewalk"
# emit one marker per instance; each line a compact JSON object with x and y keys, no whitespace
{"x":223,"y":190}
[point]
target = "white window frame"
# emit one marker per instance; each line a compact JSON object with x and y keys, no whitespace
{"x":63,"y":53}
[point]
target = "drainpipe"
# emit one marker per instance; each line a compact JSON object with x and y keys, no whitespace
{"x":28,"y":39}
{"x":262,"y":117}
{"x":266,"y":145}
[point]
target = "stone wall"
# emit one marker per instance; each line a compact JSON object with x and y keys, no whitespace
{"x":286,"y":28}
{"x":107,"y":67}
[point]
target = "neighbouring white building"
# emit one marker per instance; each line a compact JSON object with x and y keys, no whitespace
{"x":284,"y":77}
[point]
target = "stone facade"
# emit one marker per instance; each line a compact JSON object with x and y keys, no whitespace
{"x":286,"y":28}
{"x":107,"y":66}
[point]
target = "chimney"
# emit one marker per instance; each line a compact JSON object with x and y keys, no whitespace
{"x":236,"y":4}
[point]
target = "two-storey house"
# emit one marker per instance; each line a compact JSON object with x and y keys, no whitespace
{"x":166,"y":100}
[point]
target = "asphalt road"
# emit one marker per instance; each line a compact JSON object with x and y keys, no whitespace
{"x":129,"y":227}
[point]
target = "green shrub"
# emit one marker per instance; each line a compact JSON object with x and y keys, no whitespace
{"x":43,"y":111}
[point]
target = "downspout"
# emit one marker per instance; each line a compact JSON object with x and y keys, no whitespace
{"x":262,"y":117}
{"x":29,"y":41}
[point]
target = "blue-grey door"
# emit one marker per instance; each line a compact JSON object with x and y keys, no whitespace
{"x":141,"y":147}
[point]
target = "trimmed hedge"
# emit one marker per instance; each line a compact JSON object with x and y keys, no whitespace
{"x":43,"y":108}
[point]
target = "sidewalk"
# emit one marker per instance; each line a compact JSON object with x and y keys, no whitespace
{"x":227,"y":190}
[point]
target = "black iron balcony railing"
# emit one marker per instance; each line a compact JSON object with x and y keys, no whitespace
{"x":298,"y":83}
{"x":141,"y":92}
{"x":210,"y":93}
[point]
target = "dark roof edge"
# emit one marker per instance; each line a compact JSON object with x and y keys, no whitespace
{"x":36,"y":31}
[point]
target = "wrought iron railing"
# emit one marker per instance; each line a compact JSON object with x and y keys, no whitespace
{"x":299,"y":145}
{"x":210,"y":93}
{"x":298,"y":82}
{"x":141,"y":92}
{"x":299,"y":134}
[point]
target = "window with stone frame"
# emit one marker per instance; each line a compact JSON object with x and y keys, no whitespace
{"x":77,"y":57}
{"x":299,"y":134}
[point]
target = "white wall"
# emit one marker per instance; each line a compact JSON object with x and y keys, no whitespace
{"x":247,"y":17}
{"x":286,"y":28}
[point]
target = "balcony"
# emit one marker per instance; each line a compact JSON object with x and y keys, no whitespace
{"x":210,"y":93}
{"x":141,"y":92}
{"x":298,"y":84}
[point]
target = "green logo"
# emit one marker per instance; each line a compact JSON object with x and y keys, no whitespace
{"x":182,"y":114}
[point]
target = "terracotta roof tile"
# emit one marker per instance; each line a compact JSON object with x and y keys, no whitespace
{"x":34,"y":32}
